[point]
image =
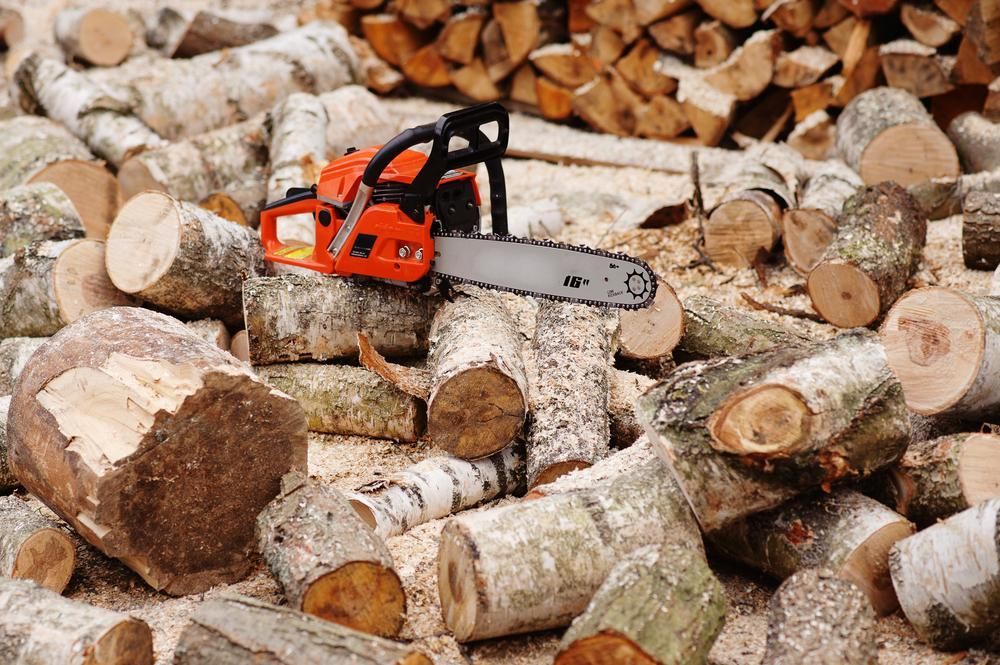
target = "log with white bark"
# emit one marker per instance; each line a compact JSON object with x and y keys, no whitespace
{"x":947,"y":578}
{"x":810,"y":227}
{"x":14,"y":355}
{"x":33,"y":547}
{"x":40,"y":626}
{"x":95,"y":36}
{"x":652,"y":332}
{"x":302,"y":317}
{"x":887,"y":134}
{"x":136,"y":432}
{"x":436,"y":488}
{"x":571,"y":355}
{"x":34,"y":149}
{"x":50,"y":284}
{"x":7,"y":480}
{"x":176,"y":35}
{"x":818,"y":617}
{"x":660,"y":605}
{"x":977,"y":141}
{"x":940,"y":477}
{"x":844,"y":532}
{"x":328,"y":561}
{"x":713,"y":329}
{"x":340,"y":399}
{"x":212,"y":331}
{"x":877,"y":247}
{"x":234,"y":630}
{"x":942,"y":345}
{"x":743,"y":435}
{"x":602,"y":473}
{"x":981,"y":230}
{"x":40,"y":211}
{"x":182,"y":258}
{"x":515,"y":569}
{"x":180,"y":98}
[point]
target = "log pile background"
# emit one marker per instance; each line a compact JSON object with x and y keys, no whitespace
{"x":816,"y":484}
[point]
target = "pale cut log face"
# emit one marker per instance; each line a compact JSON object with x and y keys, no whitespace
{"x":92,"y":189}
{"x":361,"y":595}
{"x":105,"y":37}
{"x":807,"y":234}
{"x":80,"y":281}
{"x":844,"y":295}
{"x":868,"y":566}
{"x":457,"y":581}
{"x":149,"y":255}
{"x":653,"y":332}
{"x":979,"y":468}
{"x":47,"y":557}
{"x":605,"y":648}
{"x":934,"y":340}
{"x":909,"y":154}
{"x":127,"y":643}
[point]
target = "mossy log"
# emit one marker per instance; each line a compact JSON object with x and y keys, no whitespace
{"x":33,"y":547}
{"x":981,"y":230}
{"x":713,"y":329}
{"x":40,"y":211}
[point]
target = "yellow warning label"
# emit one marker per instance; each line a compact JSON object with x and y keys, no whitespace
{"x":295,"y":252}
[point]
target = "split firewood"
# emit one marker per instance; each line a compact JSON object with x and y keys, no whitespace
{"x":570,"y":358}
{"x":554,"y":101}
{"x":991,"y":108}
{"x":981,"y":26}
{"x":804,"y":66}
{"x":745,"y":434}
{"x":676,"y":34}
{"x":977,"y":140}
{"x":437,"y":487}
{"x":564,"y":64}
{"x":654,"y":331}
{"x":877,"y":247}
{"x":709,"y":110}
{"x":520,"y":26}
{"x":957,"y":10}
{"x":650,"y":11}
{"x":714,"y":330}
{"x":34,"y":149}
{"x":938,"y":341}
{"x":50,"y":284}
{"x":660,"y":604}
{"x":182,"y":258}
{"x":149,"y":487}
{"x":377,"y":74}
{"x":796,"y":17}
{"x":928,"y":25}
{"x":303,"y":317}
{"x":809,"y":228}
{"x":605,"y":46}
{"x":515,"y":570}
{"x":7,"y":480}
{"x":916,"y":68}
{"x":14,"y":355}
{"x":734,"y":13}
{"x":96,"y":36}
{"x":816,"y":97}
{"x":499,"y":64}
{"x":945,"y":578}
{"x":328,"y":561}
{"x":713,"y":44}
{"x":619,"y":15}
{"x":340,"y":399}
{"x":427,"y":68}
{"x":36,"y":212}
{"x":818,"y":617}
{"x":394,"y":40}
{"x":864,"y":8}
{"x":749,"y":69}
{"x":814,"y":136}
{"x":615,"y":465}
{"x":662,"y":118}
{"x":523,"y":87}
{"x":638,"y":68}
{"x":177,"y":36}
{"x":314,"y":58}
{"x":608,"y":104}
{"x":474,"y":82}
{"x":981,"y":231}
{"x":41,"y":626}
{"x":460,"y":34}
{"x":887,"y":134}
{"x":33,"y":547}
{"x":233,"y":630}
{"x":844,"y":532}
{"x":969,"y":68}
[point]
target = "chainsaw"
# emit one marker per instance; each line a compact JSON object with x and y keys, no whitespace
{"x":394,"y":214}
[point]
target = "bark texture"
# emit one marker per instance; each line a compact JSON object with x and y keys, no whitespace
{"x":8,"y":481}
{"x":977,"y":141}
{"x":40,"y":211}
{"x":33,"y":547}
{"x":713,"y":329}
{"x":328,"y":561}
{"x":212,"y":331}
{"x":170,"y":479}
{"x":602,"y":473}
{"x":981,"y":231}
{"x":14,"y":355}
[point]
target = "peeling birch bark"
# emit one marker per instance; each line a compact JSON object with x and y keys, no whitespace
{"x":33,"y":547}
{"x":36,"y":212}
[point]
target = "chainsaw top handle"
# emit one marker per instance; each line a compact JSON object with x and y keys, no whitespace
{"x":466,"y":124}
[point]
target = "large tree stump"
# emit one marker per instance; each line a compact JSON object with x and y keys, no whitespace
{"x":977,"y":141}
{"x":33,"y":547}
{"x":302,"y":317}
{"x":182,"y":258}
{"x":810,"y":227}
{"x":328,"y":561}
{"x":40,"y":626}
{"x":946,"y":578}
{"x":14,"y":355}
{"x":660,"y":605}
{"x":436,"y":488}
{"x":878,"y":246}
{"x":981,"y":231}
{"x":96,"y":36}
{"x":515,"y":569}
{"x":887,"y":134}
{"x":232,"y":630}
{"x":819,"y":617}
{"x":845,"y":532}
{"x":745,"y":434}
{"x":156,"y":446}
{"x":40,"y":211}
{"x":713,"y":329}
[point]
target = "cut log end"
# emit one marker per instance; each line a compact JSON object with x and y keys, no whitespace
{"x":47,"y":557}
{"x":868,"y":566}
{"x":909,"y":154}
{"x":134,"y":177}
{"x":765,"y":420}
{"x":361,"y":595}
{"x":104,"y":38}
{"x":807,"y":234}
{"x":739,"y":228}
{"x":127,"y":643}
{"x":979,"y":468}
{"x":654,"y":331}
{"x":556,"y":471}
{"x":147,"y":251}
{"x":844,"y":295}
{"x":606,"y":648}
{"x":80,"y":282}
{"x":476,"y":413}
{"x":457,"y":581}
{"x":92,"y":189}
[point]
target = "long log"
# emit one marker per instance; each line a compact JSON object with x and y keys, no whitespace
{"x":40,"y":211}
{"x":96,"y":36}
{"x":981,"y":230}
{"x":33,"y":547}
{"x":810,"y":227}
{"x":660,"y":605}
{"x":743,"y":435}
{"x":713,"y":329}
{"x":14,"y":355}
{"x":977,"y":141}
{"x":515,"y":569}
{"x":173,"y":465}
{"x":328,"y":561}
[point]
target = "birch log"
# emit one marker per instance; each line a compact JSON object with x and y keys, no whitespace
{"x":40,"y":211}
{"x":436,"y":488}
{"x":941,"y":344}
{"x":340,"y":399}
{"x":981,"y":230}
{"x":96,"y":36}
{"x":946,"y":578}
{"x":844,"y":532}
{"x":8,"y":481}
{"x":40,"y":626}
{"x":33,"y":547}
{"x":50,"y":284}
{"x":743,"y":435}
{"x":180,"y":98}
{"x":515,"y":569}
{"x":233,"y":630}
{"x":14,"y":355}
{"x":602,"y":473}
{"x":302,"y":317}
{"x":887,"y":134}
{"x":810,"y":227}
{"x":34,"y":149}
{"x":652,"y":332}
{"x":172,"y":475}
{"x":182,"y":258}
{"x":660,"y":605}
{"x":977,"y":141}
{"x":713,"y":329}
{"x":328,"y":561}
{"x":877,"y":248}
{"x":818,"y":617}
